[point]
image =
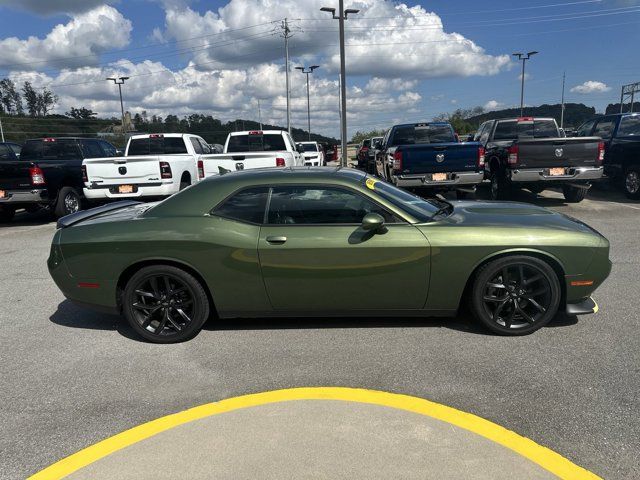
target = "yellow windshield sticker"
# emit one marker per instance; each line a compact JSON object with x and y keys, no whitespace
{"x":371,"y":183}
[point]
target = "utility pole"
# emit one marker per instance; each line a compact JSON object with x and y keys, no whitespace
{"x":562,"y":108}
{"x":286,"y":33}
{"x":307,"y":72}
{"x":120,"y":81}
{"x":343,"y":14}
{"x":524,"y":58}
{"x":259,"y":115}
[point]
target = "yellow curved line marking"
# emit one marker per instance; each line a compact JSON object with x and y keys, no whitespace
{"x":546,"y":458}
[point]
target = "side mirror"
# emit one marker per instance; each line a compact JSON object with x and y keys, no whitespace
{"x":373,"y":222}
{"x":378,"y":145}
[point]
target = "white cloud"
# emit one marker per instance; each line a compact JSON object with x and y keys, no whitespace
{"x":591,"y":86}
{"x":526,"y":77}
{"x":435,"y":98}
{"x":492,"y":105}
{"x":47,"y":7}
{"x":76,"y":43}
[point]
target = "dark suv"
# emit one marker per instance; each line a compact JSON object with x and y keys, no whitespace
{"x":48,"y":174}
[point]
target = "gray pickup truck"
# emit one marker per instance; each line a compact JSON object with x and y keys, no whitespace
{"x":532,"y":153}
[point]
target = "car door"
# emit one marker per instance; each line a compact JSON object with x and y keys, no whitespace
{"x":315,"y":256}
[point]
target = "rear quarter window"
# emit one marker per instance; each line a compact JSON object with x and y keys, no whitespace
{"x":629,"y":126}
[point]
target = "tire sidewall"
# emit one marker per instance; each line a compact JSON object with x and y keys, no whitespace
{"x":61,"y":207}
{"x":490,"y":269}
{"x":200,"y":299}
{"x":630,"y":194}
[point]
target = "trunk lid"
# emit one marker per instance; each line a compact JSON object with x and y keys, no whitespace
{"x":122,"y":170}
{"x":558,"y":152}
{"x":439,"y":158}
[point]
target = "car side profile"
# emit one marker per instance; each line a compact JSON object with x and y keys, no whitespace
{"x":264,"y":242}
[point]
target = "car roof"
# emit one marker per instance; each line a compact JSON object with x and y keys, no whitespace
{"x":246,"y":132}
{"x":170,"y":135}
{"x":267,"y":175}
{"x":420,"y":123}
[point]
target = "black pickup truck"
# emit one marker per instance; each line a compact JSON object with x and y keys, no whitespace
{"x":621,"y":136}
{"x":531,"y":153}
{"x":48,"y":174}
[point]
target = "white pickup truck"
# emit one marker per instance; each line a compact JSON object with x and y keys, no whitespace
{"x":154,"y":165}
{"x":253,"y":149}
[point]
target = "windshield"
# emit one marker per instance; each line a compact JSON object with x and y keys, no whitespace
{"x":414,"y":205}
{"x":422,"y":133}
{"x":513,"y":130}
{"x":309,"y":147}
{"x":256,"y":143}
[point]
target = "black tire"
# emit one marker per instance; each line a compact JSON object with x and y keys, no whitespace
{"x":500,"y":186}
{"x":574,"y":194}
{"x":529,"y":298}
{"x":68,"y":202}
{"x":7,"y":214}
{"x":631,"y":182}
{"x":178,"y":304}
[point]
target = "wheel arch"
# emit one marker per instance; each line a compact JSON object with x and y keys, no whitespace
{"x":186,"y":175}
{"x":551,"y":259}
{"x":128,"y":272}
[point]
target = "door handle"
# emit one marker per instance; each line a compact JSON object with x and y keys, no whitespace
{"x":276,"y":240}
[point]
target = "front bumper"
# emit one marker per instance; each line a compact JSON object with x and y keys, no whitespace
{"x":454,"y":179}
{"x":585,"y":307}
{"x":311,"y":161}
{"x":101,"y":192}
{"x":16,"y":197}
{"x":573,"y":174}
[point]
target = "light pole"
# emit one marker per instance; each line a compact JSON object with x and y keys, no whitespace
{"x":120,"y":81}
{"x":343,"y":80}
{"x":307,"y":72}
{"x":524,"y":57}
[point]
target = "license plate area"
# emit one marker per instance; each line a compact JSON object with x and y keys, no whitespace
{"x":555,"y":172}
{"x":3,"y":194}
{"x":124,"y":189}
{"x":438,"y":177}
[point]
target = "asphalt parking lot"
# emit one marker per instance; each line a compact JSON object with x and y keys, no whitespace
{"x":72,"y":377}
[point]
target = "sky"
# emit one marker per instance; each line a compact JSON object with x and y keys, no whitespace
{"x":406,"y":61}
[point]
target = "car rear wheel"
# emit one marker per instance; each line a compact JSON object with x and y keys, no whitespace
{"x":68,"y":202}
{"x":632,"y":182}
{"x":165,"y":304}
{"x":500,"y":186}
{"x":515,"y":295}
{"x":574,"y":194}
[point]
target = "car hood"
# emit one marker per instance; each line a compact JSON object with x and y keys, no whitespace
{"x":513,"y":214}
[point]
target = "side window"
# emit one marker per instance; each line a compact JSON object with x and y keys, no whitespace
{"x":16,"y":148}
{"x":5,"y":154}
{"x":206,"y":149}
{"x":629,"y":126}
{"x":196,"y":145}
{"x":320,"y":205}
{"x":245,"y":206}
{"x":604,"y":128}
{"x":174,"y":146}
{"x":585,"y":129}
{"x":91,"y":149}
{"x":109,"y":150}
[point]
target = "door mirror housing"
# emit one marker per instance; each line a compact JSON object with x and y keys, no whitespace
{"x":373,"y":222}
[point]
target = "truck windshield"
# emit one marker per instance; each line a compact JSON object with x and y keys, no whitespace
{"x":309,"y":147}
{"x":51,"y":149}
{"x":157,"y":146}
{"x":422,"y":133}
{"x":414,"y":205}
{"x":513,"y":130}
{"x":268,"y":142}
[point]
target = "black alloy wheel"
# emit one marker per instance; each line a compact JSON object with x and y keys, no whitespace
{"x":516,"y":295}
{"x":68,"y":202}
{"x":632,"y":182}
{"x":165,"y":304}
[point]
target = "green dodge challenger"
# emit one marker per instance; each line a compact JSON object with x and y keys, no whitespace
{"x":324,"y":242}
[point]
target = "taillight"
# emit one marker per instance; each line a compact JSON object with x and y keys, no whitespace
{"x":200,"y":169}
{"x":280,"y":162}
{"x":397,"y":161}
{"x":85,"y":179}
{"x":364,"y":149}
{"x":513,"y":154}
{"x":37,"y":177}
{"x":480,"y":157}
{"x":600,"y":153}
{"x":165,"y":170}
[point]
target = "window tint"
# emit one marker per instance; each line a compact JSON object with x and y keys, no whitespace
{"x":422,"y":133}
{"x":585,"y":129}
{"x":91,"y":149}
{"x":309,"y":147}
{"x":604,"y":128}
{"x":253,"y":143}
{"x":320,"y":205}
{"x":57,"y":149}
{"x":417,"y":206}
{"x":196,"y":145}
{"x":157,"y":146}
{"x":629,"y":126}
{"x":205,"y":146}
{"x":246,"y":206}
{"x":109,"y":150}
{"x":511,"y":130}
{"x":5,"y":153}
{"x":16,"y":148}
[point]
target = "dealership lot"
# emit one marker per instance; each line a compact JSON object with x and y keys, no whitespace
{"x":72,"y":377}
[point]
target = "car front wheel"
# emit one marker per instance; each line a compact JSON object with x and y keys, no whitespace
{"x":165,"y":304}
{"x":515,"y":295}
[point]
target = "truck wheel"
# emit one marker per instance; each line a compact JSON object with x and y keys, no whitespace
{"x":632,"y":182}
{"x":6,"y":214}
{"x":500,"y":186}
{"x":68,"y":202}
{"x":574,"y":194}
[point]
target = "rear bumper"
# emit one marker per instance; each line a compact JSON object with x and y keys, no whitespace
{"x":16,"y":197}
{"x":101,"y":192}
{"x":574,"y":174}
{"x":454,"y":179}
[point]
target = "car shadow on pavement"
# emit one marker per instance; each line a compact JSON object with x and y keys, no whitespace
{"x":70,"y":315}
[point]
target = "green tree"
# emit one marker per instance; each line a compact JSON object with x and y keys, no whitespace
{"x":81,"y":113}
{"x":10,"y":98}
{"x":31,"y":97}
{"x":359,"y":136}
